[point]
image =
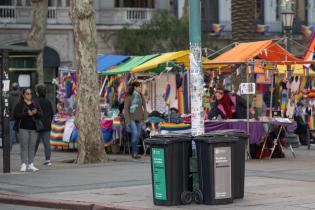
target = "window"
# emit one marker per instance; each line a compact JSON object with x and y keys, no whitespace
{"x":135,"y":3}
{"x":6,"y":2}
{"x":259,"y":13}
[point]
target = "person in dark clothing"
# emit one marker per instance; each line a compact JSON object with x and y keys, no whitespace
{"x":13,"y":100}
{"x":24,"y":113}
{"x":46,"y":118}
{"x":240,"y":107}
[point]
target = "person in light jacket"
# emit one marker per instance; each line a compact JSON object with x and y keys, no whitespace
{"x":135,"y":114}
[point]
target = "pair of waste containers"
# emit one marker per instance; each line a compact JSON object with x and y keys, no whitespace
{"x":207,"y":169}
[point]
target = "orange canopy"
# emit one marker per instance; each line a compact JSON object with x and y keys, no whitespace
{"x":267,"y":50}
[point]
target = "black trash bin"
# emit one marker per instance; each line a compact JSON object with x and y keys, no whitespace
{"x":171,"y":180}
{"x":238,"y":159}
{"x":215,"y":154}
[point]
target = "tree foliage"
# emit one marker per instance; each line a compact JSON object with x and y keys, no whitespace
{"x":163,"y":33}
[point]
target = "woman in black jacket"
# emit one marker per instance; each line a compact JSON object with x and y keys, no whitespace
{"x":25,"y":113}
{"x":47,"y":116}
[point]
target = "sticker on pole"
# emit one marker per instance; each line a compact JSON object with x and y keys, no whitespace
{"x":247,"y":88}
{"x":158,"y":170}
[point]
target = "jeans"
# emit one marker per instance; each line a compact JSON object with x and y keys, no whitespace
{"x":45,"y":137}
{"x":12,"y":134}
{"x":27,"y":139}
{"x":135,"y":128}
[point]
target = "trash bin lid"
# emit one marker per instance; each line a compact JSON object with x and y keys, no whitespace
{"x":213,"y":139}
{"x":229,"y":132}
{"x":168,"y":139}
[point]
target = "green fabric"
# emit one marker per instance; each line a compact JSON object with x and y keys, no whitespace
{"x":135,"y":101}
{"x":131,"y":63}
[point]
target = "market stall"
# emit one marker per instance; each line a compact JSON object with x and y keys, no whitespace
{"x":269,"y":71}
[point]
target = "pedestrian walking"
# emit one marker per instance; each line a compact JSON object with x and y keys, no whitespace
{"x":25,"y":114}
{"x":135,"y":114}
{"x":13,"y":100}
{"x":47,"y":117}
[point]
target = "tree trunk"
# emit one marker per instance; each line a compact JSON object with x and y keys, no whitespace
{"x":185,"y":12}
{"x":243,"y":20}
{"x":90,"y":143}
{"x":36,"y":37}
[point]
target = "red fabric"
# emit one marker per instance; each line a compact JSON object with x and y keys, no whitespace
{"x":226,"y":103}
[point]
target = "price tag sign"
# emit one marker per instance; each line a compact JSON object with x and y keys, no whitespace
{"x":248,"y":88}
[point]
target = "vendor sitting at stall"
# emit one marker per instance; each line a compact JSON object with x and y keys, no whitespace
{"x":223,"y":102}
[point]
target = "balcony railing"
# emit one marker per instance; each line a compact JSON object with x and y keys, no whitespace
{"x":7,"y":14}
{"x":59,"y":15}
{"x":52,"y":15}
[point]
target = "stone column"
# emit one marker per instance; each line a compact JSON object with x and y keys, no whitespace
{"x":270,"y":15}
{"x":311,"y":13}
{"x":225,"y":15}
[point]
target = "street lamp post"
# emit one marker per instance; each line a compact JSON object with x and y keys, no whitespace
{"x":287,"y":22}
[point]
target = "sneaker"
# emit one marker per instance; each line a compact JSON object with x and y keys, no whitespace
{"x":23,"y":167}
{"x":47,"y":163}
{"x":32,"y":167}
{"x":136,"y":156}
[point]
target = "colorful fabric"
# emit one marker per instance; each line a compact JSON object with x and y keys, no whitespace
{"x":116,"y":122}
{"x":284,"y":100}
{"x":262,"y":28}
{"x":309,"y":53}
{"x":57,"y":131}
{"x":69,"y":127}
{"x":167,"y":94}
{"x":174,"y":126}
{"x":135,"y":101}
{"x":268,"y":73}
{"x":181,"y":100}
{"x":250,"y":69}
{"x":307,"y":31}
{"x":217,"y":28}
{"x":121,"y":89}
{"x":154,"y":125}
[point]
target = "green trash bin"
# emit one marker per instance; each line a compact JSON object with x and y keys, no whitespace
{"x":215,"y":153}
{"x":238,"y":159}
{"x":171,"y":180}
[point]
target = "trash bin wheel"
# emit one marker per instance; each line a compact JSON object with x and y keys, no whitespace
{"x":198,"y":196}
{"x":186,"y":197}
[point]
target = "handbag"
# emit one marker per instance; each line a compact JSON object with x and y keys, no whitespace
{"x":39,"y":125}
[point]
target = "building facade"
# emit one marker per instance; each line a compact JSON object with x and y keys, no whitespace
{"x":267,"y":13}
{"x":111,"y":15}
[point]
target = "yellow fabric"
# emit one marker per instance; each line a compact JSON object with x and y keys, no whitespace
{"x":180,"y":56}
{"x":282,"y":69}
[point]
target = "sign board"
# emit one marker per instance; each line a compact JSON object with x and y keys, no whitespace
{"x":222,"y":172}
{"x":247,"y":88}
{"x":158,"y":170}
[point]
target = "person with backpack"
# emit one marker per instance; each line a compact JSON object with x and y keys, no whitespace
{"x":47,"y":117}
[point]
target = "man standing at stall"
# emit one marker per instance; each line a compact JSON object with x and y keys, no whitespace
{"x":13,"y":100}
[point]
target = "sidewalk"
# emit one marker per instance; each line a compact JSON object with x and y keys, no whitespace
{"x":126,"y":184}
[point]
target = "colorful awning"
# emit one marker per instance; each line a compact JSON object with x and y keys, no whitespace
{"x":268,"y":50}
{"x":180,"y":56}
{"x":106,"y":61}
{"x":128,"y":65}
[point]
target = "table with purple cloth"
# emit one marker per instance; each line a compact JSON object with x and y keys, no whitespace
{"x":256,"y":128}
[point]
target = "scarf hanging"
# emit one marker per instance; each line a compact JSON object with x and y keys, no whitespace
{"x":135,"y":101}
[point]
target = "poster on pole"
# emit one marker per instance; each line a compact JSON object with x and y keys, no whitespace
{"x":247,"y":88}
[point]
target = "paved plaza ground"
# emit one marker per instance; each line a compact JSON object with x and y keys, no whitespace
{"x":123,"y":183}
